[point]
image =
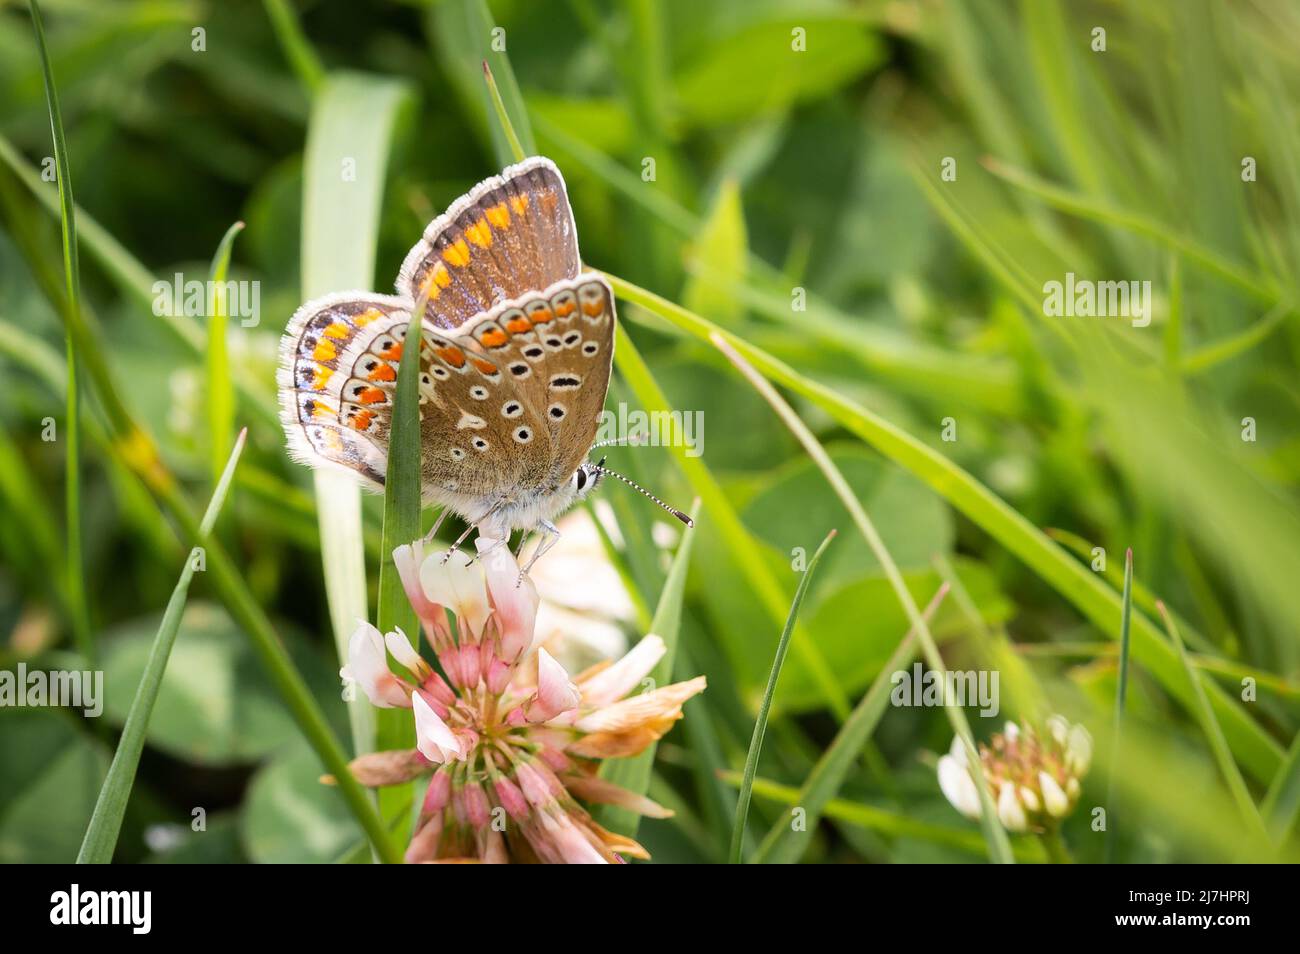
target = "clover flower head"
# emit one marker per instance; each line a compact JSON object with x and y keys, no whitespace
{"x":1034,"y":777}
{"x":511,"y":743}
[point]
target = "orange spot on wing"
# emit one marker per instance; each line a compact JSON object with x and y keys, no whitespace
{"x":494,"y":338}
{"x":372,"y":396}
{"x":479,"y":233}
{"x":317,"y":409}
{"x":361,"y":420}
{"x":337,"y":329}
{"x":499,"y":216}
{"x":517,"y":326}
{"x":435,"y":279}
{"x":457,"y":253}
{"x":382,"y":372}
{"x":321,"y":379}
{"x":565,"y":308}
{"x":325,"y":350}
{"x":427,"y":287}
{"x":519,"y":203}
{"x":593,"y":308}
{"x":393,"y":350}
{"x":452,"y":355}
{"x":365,"y":318}
{"x":484,"y":367}
{"x":541,"y":316}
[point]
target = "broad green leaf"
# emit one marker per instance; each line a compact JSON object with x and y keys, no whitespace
{"x":718,"y":257}
{"x":758,"y":70}
{"x":913,"y":521}
{"x":213,"y":706}
{"x":47,"y":790}
{"x":290,"y":817}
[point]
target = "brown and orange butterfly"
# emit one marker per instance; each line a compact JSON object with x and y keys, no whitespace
{"x":515,"y":356}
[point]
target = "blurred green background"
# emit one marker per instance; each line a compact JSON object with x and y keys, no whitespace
{"x":781,"y":176}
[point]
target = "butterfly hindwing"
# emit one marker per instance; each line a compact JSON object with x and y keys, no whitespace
{"x":324,"y":419}
{"x":579,"y":345}
{"x":471,"y":415}
{"x":511,"y":234}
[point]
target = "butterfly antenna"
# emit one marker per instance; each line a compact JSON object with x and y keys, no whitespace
{"x":635,"y":440}
{"x":645,"y":493}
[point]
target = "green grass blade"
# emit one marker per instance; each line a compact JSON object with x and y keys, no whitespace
{"x":1210,"y":356}
{"x":1121,"y":694}
{"x":221,"y":394}
{"x":467,"y":38}
{"x":784,"y":845}
{"x":633,"y":773}
{"x":503,"y":115}
{"x":1142,"y":596}
{"x":1259,"y":753}
{"x":352,"y":125}
{"x":1099,"y":211}
{"x":295,"y":45}
{"x":1281,"y":805}
{"x":999,"y":846}
{"x":75,"y":570}
{"x":394,"y":728}
{"x":106,"y":820}
{"x":765,"y":708}
{"x":746,"y":553}
{"x":888,"y":823}
{"x":1214,"y":735}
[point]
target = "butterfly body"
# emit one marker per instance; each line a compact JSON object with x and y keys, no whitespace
{"x":515,"y":350}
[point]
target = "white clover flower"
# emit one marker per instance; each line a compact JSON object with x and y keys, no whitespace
{"x":1034,"y":777}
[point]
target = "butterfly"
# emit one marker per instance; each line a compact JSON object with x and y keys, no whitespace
{"x":516,"y":346}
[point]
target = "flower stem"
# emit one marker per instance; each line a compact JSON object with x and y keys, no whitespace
{"x":1057,"y":852}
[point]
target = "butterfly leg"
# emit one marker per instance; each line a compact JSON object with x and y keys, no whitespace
{"x":550,"y":537}
{"x":457,"y":544}
{"x":460,"y":540}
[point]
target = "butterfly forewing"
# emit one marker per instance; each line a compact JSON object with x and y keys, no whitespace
{"x":511,"y":234}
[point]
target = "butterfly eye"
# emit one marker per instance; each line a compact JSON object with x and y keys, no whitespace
{"x":579,"y":479}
